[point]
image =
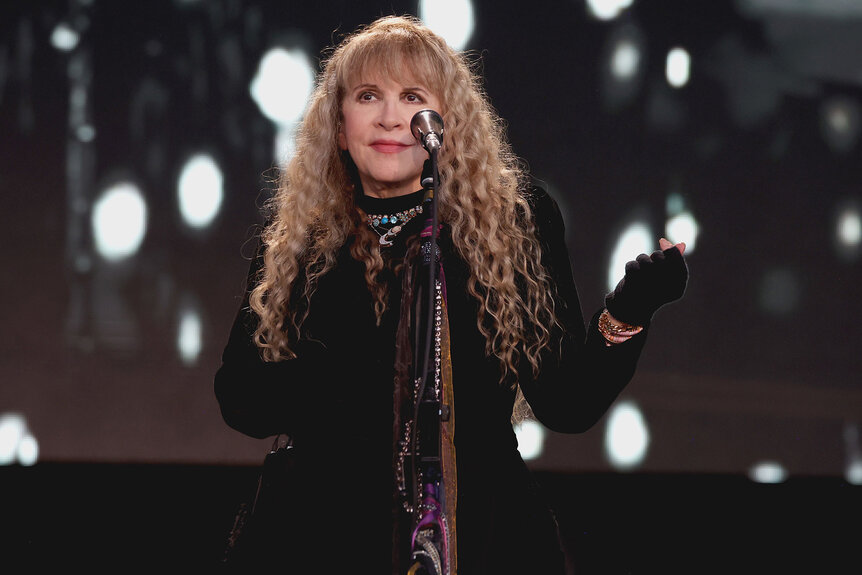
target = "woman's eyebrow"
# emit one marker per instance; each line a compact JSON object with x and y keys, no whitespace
{"x":406,"y":88}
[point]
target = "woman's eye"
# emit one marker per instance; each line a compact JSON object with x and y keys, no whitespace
{"x":366,"y":96}
{"x":414,"y":98}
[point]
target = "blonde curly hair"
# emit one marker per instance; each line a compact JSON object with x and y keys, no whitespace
{"x":481,"y":199}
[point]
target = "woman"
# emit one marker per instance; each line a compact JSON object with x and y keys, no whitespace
{"x":320,"y":349}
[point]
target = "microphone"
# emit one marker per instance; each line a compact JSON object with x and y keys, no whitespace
{"x":427,"y":127}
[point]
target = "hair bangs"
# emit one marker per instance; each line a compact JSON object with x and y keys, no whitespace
{"x":402,"y":55}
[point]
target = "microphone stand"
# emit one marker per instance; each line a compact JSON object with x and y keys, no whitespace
{"x":428,"y":410}
{"x":430,"y":265}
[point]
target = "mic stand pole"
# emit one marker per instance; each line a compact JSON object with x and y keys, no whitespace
{"x":428,"y":545}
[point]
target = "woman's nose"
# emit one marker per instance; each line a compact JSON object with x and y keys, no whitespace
{"x":390,"y":115}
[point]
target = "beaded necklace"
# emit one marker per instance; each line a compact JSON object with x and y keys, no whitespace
{"x":380,"y":222}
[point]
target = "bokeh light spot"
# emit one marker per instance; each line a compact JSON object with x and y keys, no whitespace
{"x":451,"y":19}
{"x":767,"y":472}
{"x":189,"y":336}
{"x":531,"y":439}
{"x":626,"y":436}
{"x":678,"y":67}
{"x":17,"y":444}
{"x":64,"y":37}
{"x":635,"y":240}
{"x":282,"y":85}
{"x":683,"y":227}
{"x":119,"y":221}
{"x":200,"y":190}
{"x":607,"y":9}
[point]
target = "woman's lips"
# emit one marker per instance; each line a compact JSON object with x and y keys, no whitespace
{"x":389,"y":146}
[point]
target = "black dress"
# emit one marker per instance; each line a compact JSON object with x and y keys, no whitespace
{"x":335,"y":400}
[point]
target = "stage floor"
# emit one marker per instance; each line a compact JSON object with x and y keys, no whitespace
{"x":109,"y":517}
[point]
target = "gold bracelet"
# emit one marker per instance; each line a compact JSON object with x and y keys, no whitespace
{"x":614,"y":333}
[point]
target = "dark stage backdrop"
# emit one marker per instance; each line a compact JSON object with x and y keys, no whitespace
{"x":111,"y":359}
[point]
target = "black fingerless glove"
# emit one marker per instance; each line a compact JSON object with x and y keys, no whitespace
{"x":651,"y":281}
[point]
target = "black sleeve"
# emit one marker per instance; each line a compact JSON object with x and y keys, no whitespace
{"x":261,"y":398}
{"x":580,"y":376}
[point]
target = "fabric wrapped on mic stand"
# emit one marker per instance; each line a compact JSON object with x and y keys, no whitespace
{"x":423,"y":404}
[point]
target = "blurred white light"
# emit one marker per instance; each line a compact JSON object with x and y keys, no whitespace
{"x":531,"y":439}
{"x":683,"y":228}
{"x":767,"y":472}
{"x":626,"y":436}
{"x":840,"y":122}
{"x":282,"y":85}
{"x":623,"y":74}
{"x":28,"y":450}
{"x":635,"y":240}
{"x":849,"y":227}
{"x":625,"y":60}
{"x":200,"y":189}
{"x":838,"y":118}
{"x":64,"y":37}
{"x":13,"y":428}
{"x":86,"y":133}
{"x":853,"y":470}
{"x":675,"y":204}
{"x":678,"y":67}
{"x":451,"y":19}
{"x":189,"y":337}
{"x":119,"y":221}
{"x":847,"y":222}
{"x":853,"y":473}
{"x":607,"y":9}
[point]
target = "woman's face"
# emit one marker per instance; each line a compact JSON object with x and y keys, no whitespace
{"x":375,"y":130}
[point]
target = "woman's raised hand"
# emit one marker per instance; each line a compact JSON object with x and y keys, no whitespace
{"x":650,"y":282}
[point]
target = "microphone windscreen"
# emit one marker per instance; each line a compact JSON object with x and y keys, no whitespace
{"x":424,"y":123}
